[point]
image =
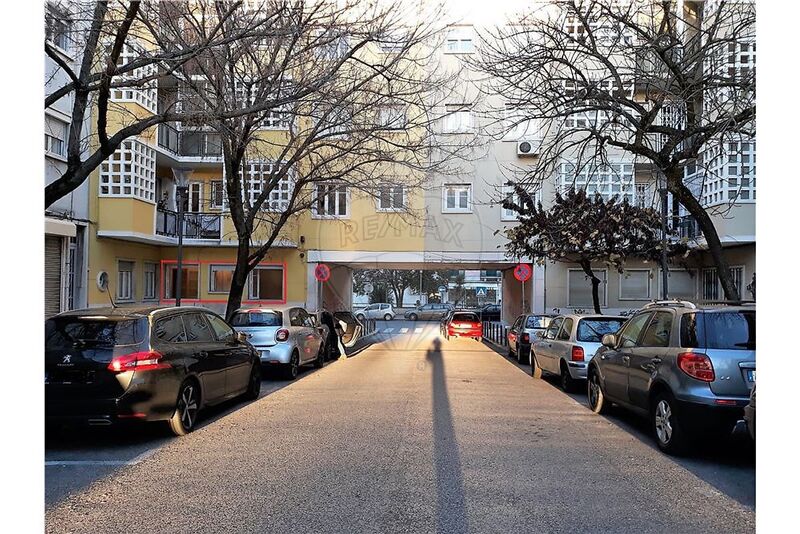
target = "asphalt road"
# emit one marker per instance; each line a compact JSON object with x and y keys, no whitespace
{"x":413,"y":434}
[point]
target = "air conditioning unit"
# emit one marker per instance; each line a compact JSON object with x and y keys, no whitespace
{"x":528,"y":148}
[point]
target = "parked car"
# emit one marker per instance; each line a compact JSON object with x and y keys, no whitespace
{"x":107,"y":365}
{"x":464,"y":324}
{"x":688,"y":369}
{"x":376,"y":311}
{"x":523,"y":332}
{"x":443,"y":322}
{"x":568,"y":344}
{"x":750,"y":414}
{"x":430,"y":311}
{"x":285,"y":338}
{"x":490,"y":312}
{"x":349,"y":327}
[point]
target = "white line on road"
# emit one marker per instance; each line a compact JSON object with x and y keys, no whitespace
{"x":133,"y":461}
{"x":388,"y":330}
{"x":404,"y":330}
{"x":418,"y":330}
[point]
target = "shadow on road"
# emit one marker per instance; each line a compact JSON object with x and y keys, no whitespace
{"x":451,"y":510}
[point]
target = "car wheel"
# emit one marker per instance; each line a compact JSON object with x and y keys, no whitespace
{"x":670,"y":436}
{"x":360,"y":317}
{"x":320,"y":360}
{"x":566,"y":380}
{"x":293,"y":367}
{"x":536,"y":371}
{"x":254,"y":384}
{"x":594,"y":393}
{"x":387,"y":317}
{"x":412,"y":317}
{"x":186,"y":409}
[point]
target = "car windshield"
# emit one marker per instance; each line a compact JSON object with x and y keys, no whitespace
{"x":257,"y":319}
{"x":77,"y":332}
{"x":593,"y":330}
{"x":538,"y":321}
{"x":719,"y":330}
{"x":465,"y":317}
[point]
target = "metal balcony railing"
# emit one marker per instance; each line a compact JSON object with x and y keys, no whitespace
{"x":195,"y":225}
{"x":189,"y":143}
{"x":168,"y":137}
{"x":688,"y":228}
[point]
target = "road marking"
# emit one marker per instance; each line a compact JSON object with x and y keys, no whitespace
{"x":404,"y":330}
{"x":388,"y":330}
{"x":418,"y":330}
{"x":133,"y":461}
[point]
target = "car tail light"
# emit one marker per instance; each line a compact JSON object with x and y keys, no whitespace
{"x":696,"y":365}
{"x":577,"y":354}
{"x":138,"y":361}
{"x":282,"y":335}
{"x":526,"y":337}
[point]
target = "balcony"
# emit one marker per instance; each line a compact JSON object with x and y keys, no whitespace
{"x":195,"y":225}
{"x":688,"y":228}
{"x":168,"y":137}
{"x":189,"y":143}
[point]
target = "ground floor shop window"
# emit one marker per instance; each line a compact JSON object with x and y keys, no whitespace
{"x":579,"y":286}
{"x":150,"y":281}
{"x":634,"y":284}
{"x":681,"y":285}
{"x":220,"y":278}
{"x":190,"y":282}
{"x":266,"y":283}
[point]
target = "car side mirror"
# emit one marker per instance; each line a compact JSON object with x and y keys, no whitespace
{"x":241,"y":337}
{"x":313,"y":319}
{"x":609,"y":340}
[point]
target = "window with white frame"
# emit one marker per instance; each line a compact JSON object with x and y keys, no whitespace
{"x":643,"y":198}
{"x":460,"y":41}
{"x":509,"y":193}
{"x":682,"y":284}
{"x":333,"y":44}
{"x":55,"y":136}
{"x":391,"y":197}
{"x":258,"y":176}
{"x":459,"y":118}
{"x":331,"y":201}
{"x":124,"y":280}
{"x":58,"y":26}
{"x":146,"y":94}
{"x":634,"y":284}
{"x":220,"y":278}
{"x":727,"y":170}
{"x":266,"y":283}
{"x":246,"y":95}
{"x":217,"y":194}
{"x":579,"y":288}
{"x":612,"y":180}
{"x":150,"y":281}
{"x":456,"y":198}
{"x":130,"y":172}
{"x":517,"y":124}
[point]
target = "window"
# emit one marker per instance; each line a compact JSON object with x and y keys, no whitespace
{"x":580,"y":288}
{"x":125,"y":280}
{"x":593,"y":330}
{"x":459,"y":41}
{"x":220,"y":328}
{"x":634,"y":284}
{"x":266,"y":283}
{"x":150,"y":281}
{"x":258,"y":176}
{"x":456,"y":198}
{"x":332,"y":44}
{"x":710,"y":284}
{"x":332,"y":200}
{"x":190,"y":282}
{"x":58,"y":26}
{"x":566,"y":330}
{"x":458,"y":119}
{"x":509,"y":193}
{"x":642,"y":197}
{"x":130,"y":172}
{"x":552,"y":330}
{"x":220,"y":277}
{"x":612,"y":180}
{"x":217,"y":194}
{"x":55,"y":136}
{"x":295,"y":317}
{"x":145,"y":94}
{"x":170,"y":329}
{"x":537,"y":321}
{"x":719,"y":330}
{"x":392,"y":117}
{"x":197,"y":328}
{"x":658,"y":331}
{"x":258,"y":318}
{"x":727,"y":171}
{"x":738,"y":275}
{"x":391,"y":197}
{"x":682,"y":284}
{"x":195,"y":197}
{"x":630,"y":334}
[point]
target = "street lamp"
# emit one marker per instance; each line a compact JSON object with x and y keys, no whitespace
{"x":181,"y":192}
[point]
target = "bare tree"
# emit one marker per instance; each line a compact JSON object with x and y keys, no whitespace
{"x":604,"y":78}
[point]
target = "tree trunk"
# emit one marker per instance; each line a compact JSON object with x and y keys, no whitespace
{"x":398,"y":297}
{"x":239,"y":281}
{"x":587,"y":268}
{"x":693,"y":206}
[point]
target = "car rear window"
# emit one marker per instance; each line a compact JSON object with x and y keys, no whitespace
{"x":593,"y":330}
{"x":719,"y":330}
{"x":538,"y":321}
{"x":257,"y":319}
{"x":468,"y":317}
{"x":76,"y":332}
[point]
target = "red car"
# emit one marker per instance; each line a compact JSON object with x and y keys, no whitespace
{"x":464,"y":324}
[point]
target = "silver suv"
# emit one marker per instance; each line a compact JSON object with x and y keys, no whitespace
{"x":689,"y":369}
{"x":380,"y":310}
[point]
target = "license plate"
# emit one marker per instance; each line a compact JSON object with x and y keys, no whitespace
{"x":751,"y":375}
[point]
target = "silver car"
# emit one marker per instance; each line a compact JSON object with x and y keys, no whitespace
{"x":380,"y":310}
{"x":525,"y":330}
{"x":689,"y":370}
{"x":285,"y":338}
{"x":568,"y":344}
{"x":428,"y":312}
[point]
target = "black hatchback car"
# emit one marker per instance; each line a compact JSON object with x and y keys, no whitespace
{"x":106,"y":365}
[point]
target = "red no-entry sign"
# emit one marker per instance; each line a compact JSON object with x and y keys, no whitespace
{"x":522,"y":272}
{"x":322,"y":272}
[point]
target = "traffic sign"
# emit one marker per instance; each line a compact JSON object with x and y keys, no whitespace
{"x":368,"y":288}
{"x":480,"y":292}
{"x":522,"y":272}
{"x":322,"y":272}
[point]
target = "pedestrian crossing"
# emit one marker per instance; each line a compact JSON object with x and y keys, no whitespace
{"x":404,"y":330}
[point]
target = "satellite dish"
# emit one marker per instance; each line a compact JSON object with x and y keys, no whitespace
{"x":102,"y":280}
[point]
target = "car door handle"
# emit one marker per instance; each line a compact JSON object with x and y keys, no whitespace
{"x":626,"y":359}
{"x":203,"y":354}
{"x":656,"y":360}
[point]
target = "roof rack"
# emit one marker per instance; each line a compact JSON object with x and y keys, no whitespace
{"x":730,"y":302}
{"x":678,"y":303}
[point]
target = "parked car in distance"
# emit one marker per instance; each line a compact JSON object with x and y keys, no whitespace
{"x":489,"y":312}
{"x":568,"y":344}
{"x":688,"y":369}
{"x":285,"y":338}
{"x":523,"y":332}
{"x":430,"y":311}
{"x":376,"y":311}
{"x":464,"y":324}
{"x":106,"y":365}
